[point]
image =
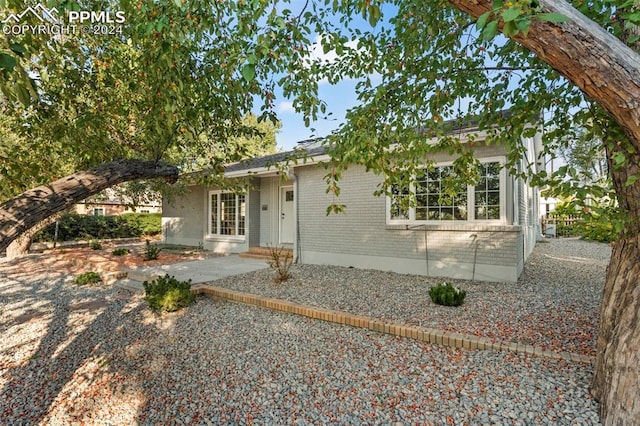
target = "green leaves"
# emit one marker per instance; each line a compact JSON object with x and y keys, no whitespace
{"x":19,"y":49}
{"x":490,"y":31}
{"x":511,"y":14}
{"x":248,"y":72}
{"x":482,"y":20}
{"x":631,"y":180}
{"x":7,"y":62}
{"x":552,"y":17}
{"x":619,"y":159}
{"x":516,"y":18}
{"x":374,"y":14}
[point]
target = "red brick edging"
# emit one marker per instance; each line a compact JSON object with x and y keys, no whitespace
{"x":429,"y":335}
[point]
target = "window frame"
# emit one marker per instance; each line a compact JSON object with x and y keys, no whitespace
{"x":471,"y":200}
{"x":237,"y":219}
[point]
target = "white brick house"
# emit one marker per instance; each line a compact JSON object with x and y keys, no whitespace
{"x":487,"y":235}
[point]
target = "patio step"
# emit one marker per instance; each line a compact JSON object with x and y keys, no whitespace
{"x":141,"y":276}
{"x":131,"y":285}
{"x":262,"y":253}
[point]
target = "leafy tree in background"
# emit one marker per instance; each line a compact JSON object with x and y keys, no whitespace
{"x":260,"y":137}
{"x":587,"y":156}
{"x":565,"y":65}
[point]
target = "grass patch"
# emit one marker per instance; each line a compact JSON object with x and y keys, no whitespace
{"x":87,"y":278}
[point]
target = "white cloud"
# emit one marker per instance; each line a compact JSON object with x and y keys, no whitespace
{"x":285,"y":107}
{"x":317,"y":52}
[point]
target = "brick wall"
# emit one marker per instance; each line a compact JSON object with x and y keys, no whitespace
{"x":362,"y":230}
{"x":184,"y":220}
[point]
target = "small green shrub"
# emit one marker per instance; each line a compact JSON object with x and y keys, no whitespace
{"x":95,"y":245}
{"x":151,"y":251}
{"x":121,"y":251}
{"x":281,"y":263}
{"x":168,"y":294}
{"x":447,"y":295}
{"x":87,"y":278}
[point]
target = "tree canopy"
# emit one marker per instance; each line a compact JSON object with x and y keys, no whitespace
{"x":180,"y":69}
{"x":168,"y":84}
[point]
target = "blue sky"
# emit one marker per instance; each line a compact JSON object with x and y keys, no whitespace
{"x":339,"y":97}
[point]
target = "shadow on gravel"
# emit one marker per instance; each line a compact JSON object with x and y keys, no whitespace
{"x":71,"y":338}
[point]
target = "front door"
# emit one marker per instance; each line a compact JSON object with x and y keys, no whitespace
{"x":287,"y":223}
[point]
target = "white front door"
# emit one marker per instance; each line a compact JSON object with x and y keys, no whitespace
{"x":287,"y":222}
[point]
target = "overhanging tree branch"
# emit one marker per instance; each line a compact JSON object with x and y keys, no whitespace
{"x":31,"y":207}
{"x":606,"y":69}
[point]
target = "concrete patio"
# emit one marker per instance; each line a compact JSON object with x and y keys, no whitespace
{"x":198,"y":271}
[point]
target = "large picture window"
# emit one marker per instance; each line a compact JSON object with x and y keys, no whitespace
{"x":227,"y":213}
{"x":433,"y":202}
{"x":436,"y":200}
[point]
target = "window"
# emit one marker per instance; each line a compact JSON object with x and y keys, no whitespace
{"x":227,"y":213}
{"x":437,"y":200}
{"x":433,"y":203}
{"x":399,"y":202}
{"x":98,"y":211}
{"x":487,"y":192}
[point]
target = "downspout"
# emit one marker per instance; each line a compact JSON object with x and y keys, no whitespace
{"x":426,"y":248}
{"x":475,"y":256}
{"x":297,"y":196}
{"x":426,"y":242}
{"x":524,"y":247}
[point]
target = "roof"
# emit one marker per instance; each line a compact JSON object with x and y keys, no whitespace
{"x":308,"y":148}
{"x":314,"y":147}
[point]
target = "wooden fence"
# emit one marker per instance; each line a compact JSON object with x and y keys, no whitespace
{"x":565,"y":225}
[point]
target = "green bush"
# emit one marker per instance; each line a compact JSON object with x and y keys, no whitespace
{"x":598,"y":229}
{"x":83,"y":227}
{"x":95,"y":245}
{"x":601,"y":223}
{"x":121,"y":251}
{"x":447,"y":295}
{"x":151,"y":251}
{"x":146,"y":223}
{"x":87,"y":278}
{"x":168,"y":294}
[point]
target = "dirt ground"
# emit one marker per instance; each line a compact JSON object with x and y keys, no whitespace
{"x":77,"y":260}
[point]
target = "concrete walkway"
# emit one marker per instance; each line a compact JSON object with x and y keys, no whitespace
{"x":198,"y":271}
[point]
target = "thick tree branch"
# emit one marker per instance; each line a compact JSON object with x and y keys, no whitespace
{"x":31,"y":207}
{"x":595,"y":61}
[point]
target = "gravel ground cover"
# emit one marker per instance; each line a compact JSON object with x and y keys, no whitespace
{"x":98,"y":355}
{"x":554,"y":305}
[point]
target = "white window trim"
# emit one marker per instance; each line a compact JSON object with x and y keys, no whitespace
{"x":223,"y":237}
{"x":471,"y":199}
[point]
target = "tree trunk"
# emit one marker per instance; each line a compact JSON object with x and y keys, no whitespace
{"x":609,"y":72}
{"x":21,"y":245}
{"x":31,"y":207}
{"x":616,"y":382}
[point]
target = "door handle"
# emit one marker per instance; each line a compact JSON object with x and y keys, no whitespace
{"x":282,"y":215}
